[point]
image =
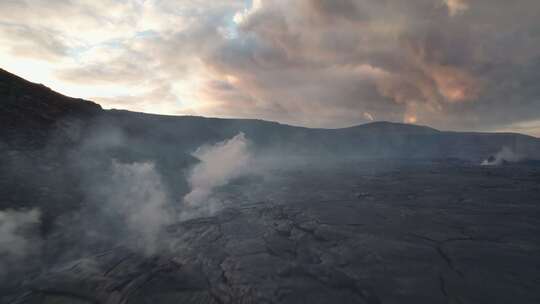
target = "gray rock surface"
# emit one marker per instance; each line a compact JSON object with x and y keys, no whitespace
{"x":426,"y":233}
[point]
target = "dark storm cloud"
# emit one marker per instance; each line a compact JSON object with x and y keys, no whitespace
{"x":452,"y":64}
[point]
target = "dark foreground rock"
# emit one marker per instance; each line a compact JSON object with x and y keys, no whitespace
{"x":426,"y":233}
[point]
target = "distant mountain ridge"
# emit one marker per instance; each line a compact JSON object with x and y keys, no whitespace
{"x":33,"y":112}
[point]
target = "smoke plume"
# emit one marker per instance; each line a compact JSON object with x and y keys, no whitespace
{"x":136,"y":198}
{"x":505,"y":155}
{"x":219,"y":164}
{"x":17,"y":237}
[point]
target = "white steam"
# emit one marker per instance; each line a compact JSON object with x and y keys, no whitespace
{"x":139,"y":199}
{"x":505,"y":155}
{"x":17,"y":238}
{"x":220,"y":163}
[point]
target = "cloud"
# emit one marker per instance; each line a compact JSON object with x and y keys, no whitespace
{"x":452,"y":64}
{"x":160,"y":99}
{"x":36,"y":43}
{"x":456,"y":7}
{"x":531,"y":126}
{"x":300,"y":64}
{"x":106,"y":65}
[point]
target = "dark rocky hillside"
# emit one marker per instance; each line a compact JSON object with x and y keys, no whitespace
{"x":378,"y":139}
{"x":29,"y":112}
{"x":32,"y":115}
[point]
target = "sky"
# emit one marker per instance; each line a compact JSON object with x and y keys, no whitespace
{"x":450,"y":64}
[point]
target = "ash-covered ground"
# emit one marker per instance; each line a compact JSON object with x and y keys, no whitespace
{"x":345,"y":232}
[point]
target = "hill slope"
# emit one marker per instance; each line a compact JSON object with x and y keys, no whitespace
{"x":31,"y":114}
{"x":29,"y":111}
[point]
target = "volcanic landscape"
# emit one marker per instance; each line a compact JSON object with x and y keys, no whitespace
{"x":109,"y":206}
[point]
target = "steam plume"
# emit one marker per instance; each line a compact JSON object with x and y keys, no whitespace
{"x":16,"y":241}
{"x":505,"y":155}
{"x":219,"y":164}
{"x":138,"y":199}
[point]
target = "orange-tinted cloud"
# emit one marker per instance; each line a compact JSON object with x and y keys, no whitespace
{"x":454,"y":84}
{"x":456,"y":7}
